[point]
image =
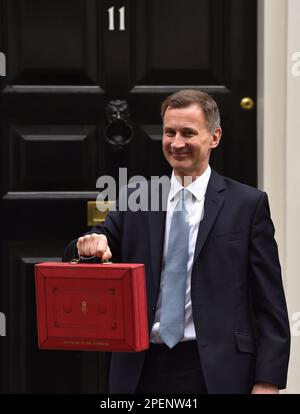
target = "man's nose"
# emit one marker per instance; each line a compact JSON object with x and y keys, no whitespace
{"x":178,"y":142}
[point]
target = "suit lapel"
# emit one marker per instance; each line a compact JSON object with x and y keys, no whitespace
{"x":214,"y":200}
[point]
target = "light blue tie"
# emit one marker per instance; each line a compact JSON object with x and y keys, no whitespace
{"x":172,"y":320}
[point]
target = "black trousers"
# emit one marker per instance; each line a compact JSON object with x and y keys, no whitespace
{"x":172,"y":371}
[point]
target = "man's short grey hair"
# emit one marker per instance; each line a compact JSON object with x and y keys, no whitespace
{"x":188,"y":97}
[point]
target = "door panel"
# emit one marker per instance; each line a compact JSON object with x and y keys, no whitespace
{"x":68,"y":62}
{"x":175,"y":43}
{"x":51,"y":157}
{"x":52,"y":43}
{"x":31,"y":370}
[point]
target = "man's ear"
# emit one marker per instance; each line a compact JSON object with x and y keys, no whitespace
{"x":216,"y":137}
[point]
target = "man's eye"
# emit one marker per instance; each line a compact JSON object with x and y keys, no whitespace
{"x":189,"y":134}
{"x":169,"y":133}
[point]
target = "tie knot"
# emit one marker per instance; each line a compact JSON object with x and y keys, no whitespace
{"x":183,"y":195}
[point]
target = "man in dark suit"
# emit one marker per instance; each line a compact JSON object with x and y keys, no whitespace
{"x":232,"y":334}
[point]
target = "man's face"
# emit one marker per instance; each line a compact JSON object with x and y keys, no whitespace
{"x":186,"y":141}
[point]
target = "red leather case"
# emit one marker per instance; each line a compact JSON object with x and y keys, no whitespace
{"x":91,"y":307}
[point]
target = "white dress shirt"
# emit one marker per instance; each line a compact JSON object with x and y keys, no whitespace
{"x":194,"y":207}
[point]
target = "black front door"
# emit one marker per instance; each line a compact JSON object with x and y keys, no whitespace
{"x":67,"y":63}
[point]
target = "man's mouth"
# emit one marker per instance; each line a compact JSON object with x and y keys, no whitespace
{"x":176,"y":154}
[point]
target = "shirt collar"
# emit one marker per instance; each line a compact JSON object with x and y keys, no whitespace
{"x":197,"y":187}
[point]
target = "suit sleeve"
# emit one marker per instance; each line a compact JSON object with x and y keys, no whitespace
{"x":268,"y":300}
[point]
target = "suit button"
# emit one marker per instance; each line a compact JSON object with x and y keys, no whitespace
{"x":153,"y":308}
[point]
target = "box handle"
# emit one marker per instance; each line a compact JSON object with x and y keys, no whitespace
{"x":91,"y":259}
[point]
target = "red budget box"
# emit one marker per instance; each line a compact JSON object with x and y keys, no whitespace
{"x":96,"y":307}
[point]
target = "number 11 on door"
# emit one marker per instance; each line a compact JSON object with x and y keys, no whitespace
{"x":111,"y":18}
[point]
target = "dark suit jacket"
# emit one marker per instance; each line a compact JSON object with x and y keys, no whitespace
{"x":238,"y":302}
